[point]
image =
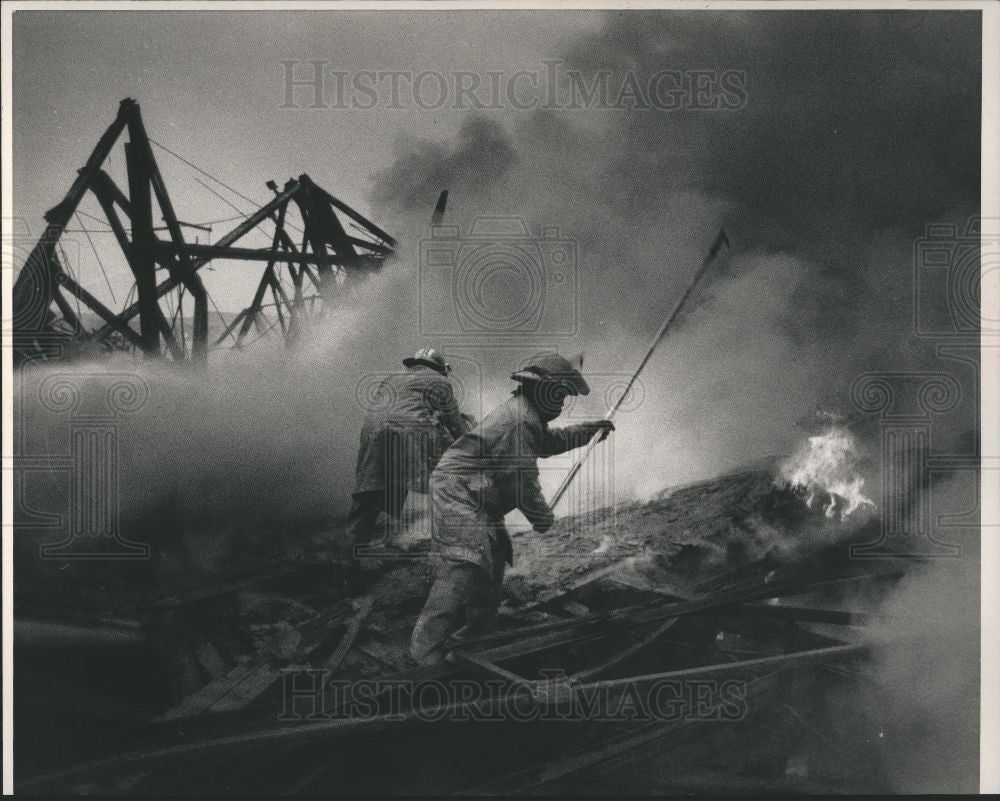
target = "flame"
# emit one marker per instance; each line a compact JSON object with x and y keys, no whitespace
{"x":826,"y":465}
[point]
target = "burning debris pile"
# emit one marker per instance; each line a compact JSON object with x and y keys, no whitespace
{"x":825,"y":469}
{"x":779,"y":512}
{"x":230,"y":646}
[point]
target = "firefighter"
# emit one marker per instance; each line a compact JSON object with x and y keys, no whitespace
{"x":401,"y":441}
{"x":485,"y":474}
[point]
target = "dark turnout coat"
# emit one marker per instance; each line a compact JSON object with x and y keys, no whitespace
{"x":416,"y":418}
{"x":489,"y":472}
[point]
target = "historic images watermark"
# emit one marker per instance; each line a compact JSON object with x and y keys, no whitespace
{"x":552,"y":86}
{"x":311,"y":695}
{"x":950,"y":265}
{"x":78,"y":467}
{"x":90,"y":408}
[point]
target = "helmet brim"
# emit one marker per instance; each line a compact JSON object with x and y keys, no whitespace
{"x":411,"y":361}
{"x":574,"y":383}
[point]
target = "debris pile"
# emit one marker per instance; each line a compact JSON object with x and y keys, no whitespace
{"x":680,"y":592}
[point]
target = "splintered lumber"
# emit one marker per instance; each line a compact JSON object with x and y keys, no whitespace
{"x":311,"y":730}
{"x":630,"y":616}
{"x":636,"y":615}
{"x":247,"y":681}
{"x":799,"y":614}
{"x":364,"y":608}
{"x":565,"y":588}
{"x":631,"y":650}
{"x":488,"y":669}
{"x":630,"y":746}
{"x":623,"y":749}
{"x":637,"y":581}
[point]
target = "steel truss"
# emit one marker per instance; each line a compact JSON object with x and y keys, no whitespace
{"x":47,"y":326}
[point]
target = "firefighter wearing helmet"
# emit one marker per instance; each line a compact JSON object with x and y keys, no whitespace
{"x":415,"y":419}
{"x":485,"y":474}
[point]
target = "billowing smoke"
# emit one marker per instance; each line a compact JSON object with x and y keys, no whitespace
{"x":926,"y":678}
{"x":223,"y":468}
{"x":856,"y":132}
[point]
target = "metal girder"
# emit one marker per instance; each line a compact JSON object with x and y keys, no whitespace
{"x":236,"y":234}
{"x":38,"y":301}
{"x":142,"y":254}
{"x":253,"y":309}
{"x":187,"y":273}
{"x":208,"y":252}
{"x":38,"y":273}
{"x":365,"y":223}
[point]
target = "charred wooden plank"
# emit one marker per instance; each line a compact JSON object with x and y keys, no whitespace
{"x":247,"y":681}
{"x":364,"y":608}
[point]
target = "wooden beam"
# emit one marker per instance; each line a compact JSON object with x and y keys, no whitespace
{"x":113,"y":323}
{"x":797,"y":613}
{"x":364,"y":607}
{"x":142,"y":255}
{"x":237,"y":233}
{"x":254,"y":309}
{"x":312,"y":729}
{"x":37,"y":270}
{"x":364,"y":222}
{"x":208,"y":252}
{"x":187,"y":274}
{"x":489,"y":669}
{"x":329,"y":226}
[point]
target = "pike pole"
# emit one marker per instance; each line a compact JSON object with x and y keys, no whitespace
{"x":713,"y":251}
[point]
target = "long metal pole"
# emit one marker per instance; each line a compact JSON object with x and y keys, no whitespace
{"x":720,"y":240}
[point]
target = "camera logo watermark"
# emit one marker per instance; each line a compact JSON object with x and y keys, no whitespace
{"x":951,"y":265}
{"x":498,"y":280}
{"x":317,"y":84}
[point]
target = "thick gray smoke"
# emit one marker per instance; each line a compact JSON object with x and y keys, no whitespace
{"x":223,"y":468}
{"x":857,"y":131}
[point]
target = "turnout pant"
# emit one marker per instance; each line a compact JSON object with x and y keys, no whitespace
{"x":463,"y":601}
{"x":365,"y":509}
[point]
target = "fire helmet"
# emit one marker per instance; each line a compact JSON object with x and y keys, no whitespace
{"x":429,"y":358}
{"x":551,"y":367}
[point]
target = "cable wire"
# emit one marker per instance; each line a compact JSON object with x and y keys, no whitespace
{"x":97,"y":256}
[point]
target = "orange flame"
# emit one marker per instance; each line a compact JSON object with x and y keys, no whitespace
{"x":826,"y":465}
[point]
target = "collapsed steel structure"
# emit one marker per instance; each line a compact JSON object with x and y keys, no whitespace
{"x":46,"y":325}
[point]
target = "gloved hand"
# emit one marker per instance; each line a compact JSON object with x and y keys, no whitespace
{"x":544,"y":522}
{"x":605,"y":427}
